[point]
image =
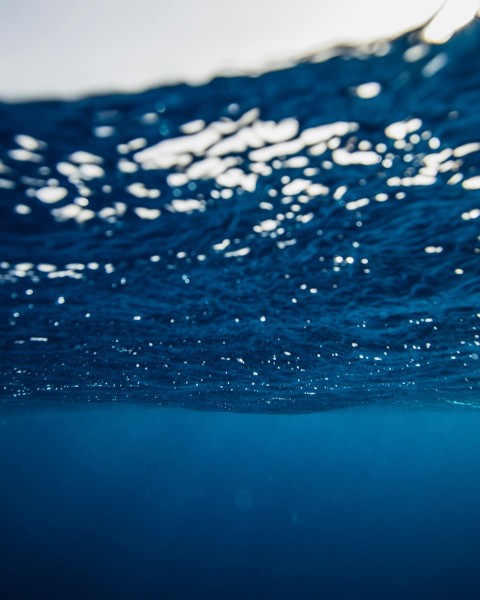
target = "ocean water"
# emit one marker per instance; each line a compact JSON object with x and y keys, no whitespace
{"x":194,"y":280}
{"x":137,"y":502}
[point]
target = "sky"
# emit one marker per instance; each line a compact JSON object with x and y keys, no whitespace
{"x":53,"y":48}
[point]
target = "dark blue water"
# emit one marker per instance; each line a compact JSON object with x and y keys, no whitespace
{"x":296,"y":253}
{"x":294,"y":242}
{"x":160,"y":503}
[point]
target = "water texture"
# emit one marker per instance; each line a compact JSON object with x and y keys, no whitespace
{"x":299,"y":240}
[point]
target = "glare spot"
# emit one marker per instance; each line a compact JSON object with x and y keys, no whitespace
{"x":25,"y":155}
{"x":186,"y":206}
{"x":400,"y":129}
{"x":297,"y":186}
{"x":466,"y":149}
{"x":267,"y":225}
{"x":368,"y":90}
{"x":193,"y":126}
{"x":29,"y":143}
{"x":147,"y":213}
{"x":221,"y":246}
{"x":6,"y":184}
{"x":50,"y":195}
{"x":416,"y":53}
{"x":472,"y":214}
{"x":23,"y":209}
{"x":127,"y":166}
{"x":323,"y":133}
{"x":317,"y":189}
{"x":453,"y":15}
{"x":239,"y":252}
{"x":70,"y":211}
{"x":473,"y":183}
{"x":45,"y":268}
{"x":104,"y":131}
{"x":83,"y":157}
{"x":343,"y":157}
{"x":356,"y":204}
{"x":85,"y":215}
{"x":139,"y":190}
{"x":435,"y":65}
{"x":90,"y":171}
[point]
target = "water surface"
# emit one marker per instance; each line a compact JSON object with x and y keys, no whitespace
{"x":302,"y":240}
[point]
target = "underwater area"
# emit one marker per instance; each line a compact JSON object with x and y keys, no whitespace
{"x":123,"y":502}
{"x":240,"y":331}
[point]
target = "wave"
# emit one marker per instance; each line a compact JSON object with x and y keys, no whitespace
{"x":301,"y":240}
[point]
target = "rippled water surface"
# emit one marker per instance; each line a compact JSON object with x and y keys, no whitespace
{"x":301,"y":240}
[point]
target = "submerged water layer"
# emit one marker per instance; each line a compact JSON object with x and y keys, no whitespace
{"x":301,"y":240}
{"x":122,"y":502}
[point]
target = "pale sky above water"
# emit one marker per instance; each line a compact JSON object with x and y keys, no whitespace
{"x":57,"y":48}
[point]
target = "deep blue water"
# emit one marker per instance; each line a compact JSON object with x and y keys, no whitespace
{"x":122,"y":502}
{"x":295,"y":242}
{"x":271,"y":243}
